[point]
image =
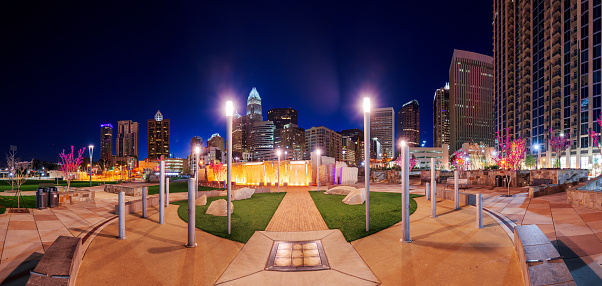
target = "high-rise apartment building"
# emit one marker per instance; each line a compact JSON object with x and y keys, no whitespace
{"x":382,"y":126}
{"x":292,"y":142}
{"x":242,"y":125}
{"x":328,"y":141}
{"x":408,"y":124}
{"x":471,"y":99}
{"x":441,"y":116}
{"x":126,"y":144}
{"x":547,"y":73}
{"x":217,"y":141}
{"x":158,"y":137}
{"x":262,"y":140}
{"x":106,"y":142}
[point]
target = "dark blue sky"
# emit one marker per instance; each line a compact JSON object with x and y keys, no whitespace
{"x":68,"y":67}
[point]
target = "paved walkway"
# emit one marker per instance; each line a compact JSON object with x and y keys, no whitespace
{"x":297,"y":212}
{"x":447,"y":250}
{"x":155,"y":254}
{"x":25,"y":237}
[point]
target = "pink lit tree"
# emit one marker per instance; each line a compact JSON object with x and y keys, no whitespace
{"x":219,"y":171}
{"x":460,"y":160}
{"x":513,"y":153}
{"x":399,"y":161}
{"x":559,"y":144}
{"x":70,"y":164}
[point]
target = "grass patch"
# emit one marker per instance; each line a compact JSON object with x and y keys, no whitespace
{"x":32,"y":185}
{"x":385,"y":211}
{"x":249,"y":216}
{"x":177,"y":187}
{"x":11,"y":202}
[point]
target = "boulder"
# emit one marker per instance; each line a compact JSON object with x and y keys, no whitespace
{"x":218,"y":208}
{"x":242,"y":194}
{"x":340,"y":190}
{"x":201,"y":201}
{"x":356,"y":197}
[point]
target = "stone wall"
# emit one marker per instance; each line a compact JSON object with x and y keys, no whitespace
{"x":585,"y":198}
{"x":560,"y":176}
{"x":440,"y":176}
{"x":487,"y":178}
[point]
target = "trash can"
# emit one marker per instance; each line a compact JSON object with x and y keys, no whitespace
{"x":41,"y":198}
{"x":498,"y":181}
{"x":53,"y":197}
{"x":505,"y":181}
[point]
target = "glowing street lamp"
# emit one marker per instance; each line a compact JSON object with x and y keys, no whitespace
{"x":367,"y":158}
{"x":318,"y":174}
{"x":536,"y":148}
{"x":197,"y":153}
{"x":90,"y":150}
{"x":278,"y":153}
{"x":229,"y":114}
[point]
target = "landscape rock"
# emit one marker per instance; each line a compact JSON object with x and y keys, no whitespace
{"x":241,"y":194}
{"x":356,"y":197}
{"x":218,"y":208}
{"x":340,"y":190}
{"x":201,"y":201}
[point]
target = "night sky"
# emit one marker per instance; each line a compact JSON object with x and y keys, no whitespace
{"x":68,"y":67}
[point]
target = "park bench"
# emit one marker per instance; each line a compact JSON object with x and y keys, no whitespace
{"x":540,"y":262}
{"x":59,"y":264}
{"x":450,"y":181}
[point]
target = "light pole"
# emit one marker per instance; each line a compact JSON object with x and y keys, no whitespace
{"x":536,"y":148}
{"x":197,"y":152}
{"x":278,"y":153}
{"x":318,"y":174}
{"x":405,"y":193}
{"x":229,"y":114}
{"x":367,"y":158}
{"x":90,"y":150}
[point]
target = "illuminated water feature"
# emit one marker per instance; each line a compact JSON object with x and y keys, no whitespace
{"x":292,"y":173}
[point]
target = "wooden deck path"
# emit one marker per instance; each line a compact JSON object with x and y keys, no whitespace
{"x":297,"y":212}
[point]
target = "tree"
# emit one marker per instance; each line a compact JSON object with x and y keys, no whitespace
{"x":513,"y":152}
{"x":460,"y":160}
{"x":70,"y":164}
{"x":559,"y":144}
{"x":530,"y":161}
{"x":18,"y":173}
{"x":218,"y":171}
{"x":399,"y":161}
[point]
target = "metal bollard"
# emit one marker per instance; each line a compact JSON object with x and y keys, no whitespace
{"x":456,"y":190}
{"x":191,"y":213}
{"x":405,"y":195}
{"x":162,"y":193}
{"x":144,"y":194}
{"x":434,"y":200}
{"x":166,"y":192}
{"x":479,"y":211}
{"x":427,"y":191}
{"x":121,"y":215}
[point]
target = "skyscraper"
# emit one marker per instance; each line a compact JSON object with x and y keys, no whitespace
{"x":408,"y":124}
{"x":106,"y":141}
{"x":328,"y":141}
{"x":262,"y":138}
{"x":158,"y":136}
{"x":382,"y":126}
{"x":441,"y":117}
{"x":471,"y":99}
{"x":127,"y":139}
{"x":292,"y":141}
{"x":254,"y":106}
{"x":195,"y":142}
{"x":547,"y":73}
{"x":216,"y":141}
{"x":282,"y":116}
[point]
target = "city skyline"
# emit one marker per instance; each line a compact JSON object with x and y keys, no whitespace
{"x":176,"y":65}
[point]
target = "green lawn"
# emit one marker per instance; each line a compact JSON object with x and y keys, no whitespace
{"x":32,"y":185}
{"x":249,"y":215}
{"x":385,"y":211}
{"x":178,"y":187}
{"x":11,"y":202}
